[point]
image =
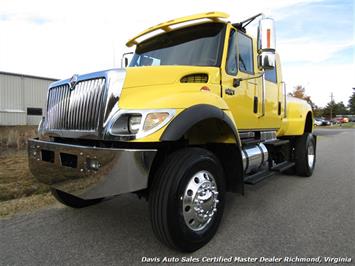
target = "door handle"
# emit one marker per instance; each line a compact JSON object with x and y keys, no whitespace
{"x":229,"y":91}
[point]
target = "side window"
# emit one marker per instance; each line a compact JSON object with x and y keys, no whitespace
{"x":270,"y":75}
{"x":245,"y":47}
{"x":231,"y":66}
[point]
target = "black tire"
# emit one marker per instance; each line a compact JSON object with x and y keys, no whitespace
{"x":304,"y":165}
{"x":72,"y":201}
{"x":166,"y":196}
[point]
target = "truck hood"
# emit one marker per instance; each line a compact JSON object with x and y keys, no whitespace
{"x":164,"y":75}
{"x":161,"y":87}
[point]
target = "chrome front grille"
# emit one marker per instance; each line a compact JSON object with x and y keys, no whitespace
{"x":77,"y":109}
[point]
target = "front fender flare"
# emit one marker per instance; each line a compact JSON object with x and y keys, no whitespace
{"x":193,"y":115}
{"x":229,"y":154}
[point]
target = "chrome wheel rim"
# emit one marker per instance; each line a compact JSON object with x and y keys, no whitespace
{"x":310,"y":155}
{"x":200,"y":200}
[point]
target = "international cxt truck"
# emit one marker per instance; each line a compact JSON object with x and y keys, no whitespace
{"x":200,"y":110}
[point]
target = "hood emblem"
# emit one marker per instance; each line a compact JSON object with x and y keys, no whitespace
{"x":73,"y":81}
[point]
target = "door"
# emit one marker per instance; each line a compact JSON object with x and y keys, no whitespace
{"x":274,"y":98}
{"x":243,"y":99}
{"x":246,"y":99}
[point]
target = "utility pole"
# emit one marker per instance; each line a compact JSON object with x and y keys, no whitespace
{"x":331,"y":106}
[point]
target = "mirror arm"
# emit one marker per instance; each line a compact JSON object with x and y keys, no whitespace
{"x":236,"y":81}
{"x":243,"y":24}
{"x":123,"y":59}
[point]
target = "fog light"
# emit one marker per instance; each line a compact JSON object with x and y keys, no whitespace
{"x":93,"y":164}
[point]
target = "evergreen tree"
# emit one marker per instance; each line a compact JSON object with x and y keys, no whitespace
{"x":335,"y":108}
{"x":351,"y":103}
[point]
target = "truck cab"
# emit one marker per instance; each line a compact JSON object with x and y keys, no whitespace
{"x":200,"y":110}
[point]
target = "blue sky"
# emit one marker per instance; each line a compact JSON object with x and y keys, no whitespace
{"x":324,"y":21}
{"x":319,"y":18}
{"x":322,"y":32}
{"x":315,"y":38}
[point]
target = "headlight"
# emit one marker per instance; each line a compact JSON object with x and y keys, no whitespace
{"x":139,"y":123}
{"x":134,"y":123}
{"x":125,"y":124}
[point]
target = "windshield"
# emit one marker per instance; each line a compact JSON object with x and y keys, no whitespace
{"x":199,"y":45}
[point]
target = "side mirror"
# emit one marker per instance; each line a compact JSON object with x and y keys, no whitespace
{"x":266,"y":60}
{"x":125,"y":62}
{"x":266,"y":43}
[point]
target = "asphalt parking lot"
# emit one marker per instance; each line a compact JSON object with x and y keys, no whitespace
{"x":282,"y":216}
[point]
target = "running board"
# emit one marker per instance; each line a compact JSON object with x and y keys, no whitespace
{"x":260,"y":176}
{"x":282,"y":166}
{"x":277,"y":142}
{"x":257,"y":177}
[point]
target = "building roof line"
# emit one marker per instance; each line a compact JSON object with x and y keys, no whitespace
{"x":26,"y":76}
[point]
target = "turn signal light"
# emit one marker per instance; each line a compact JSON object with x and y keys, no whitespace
{"x":205,"y":88}
{"x":154,"y":119}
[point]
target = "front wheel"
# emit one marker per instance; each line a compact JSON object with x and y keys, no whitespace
{"x":305,"y":154}
{"x":187,"y":199}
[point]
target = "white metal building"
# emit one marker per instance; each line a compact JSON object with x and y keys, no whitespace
{"x":22,"y":98}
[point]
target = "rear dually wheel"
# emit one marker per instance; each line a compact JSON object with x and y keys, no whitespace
{"x":305,"y":154}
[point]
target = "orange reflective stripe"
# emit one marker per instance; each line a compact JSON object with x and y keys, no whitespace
{"x":268,"y":38}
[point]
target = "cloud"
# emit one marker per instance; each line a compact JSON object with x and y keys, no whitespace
{"x":90,"y":35}
{"x":59,"y":38}
{"x":39,"y":20}
{"x":3,"y":17}
{"x":321,"y":81}
{"x":311,"y":50}
{"x":316,"y":43}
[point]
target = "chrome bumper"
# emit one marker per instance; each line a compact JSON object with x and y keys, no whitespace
{"x":89,"y":172}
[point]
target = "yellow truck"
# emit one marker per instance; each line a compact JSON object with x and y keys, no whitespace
{"x":200,"y":110}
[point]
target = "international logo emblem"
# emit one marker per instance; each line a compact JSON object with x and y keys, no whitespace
{"x":73,"y":81}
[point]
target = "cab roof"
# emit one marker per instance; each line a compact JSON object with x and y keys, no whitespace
{"x":167,"y":26}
